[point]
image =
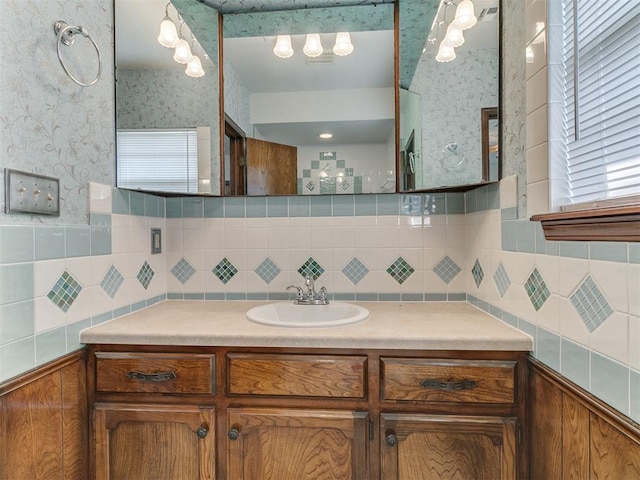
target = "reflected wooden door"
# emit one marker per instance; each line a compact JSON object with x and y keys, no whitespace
{"x":271,"y":168}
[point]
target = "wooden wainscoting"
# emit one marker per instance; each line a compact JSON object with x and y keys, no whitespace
{"x":573,"y":435}
{"x":44,"y":422}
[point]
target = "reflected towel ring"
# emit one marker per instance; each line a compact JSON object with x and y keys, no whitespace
{"x":65,"y":34}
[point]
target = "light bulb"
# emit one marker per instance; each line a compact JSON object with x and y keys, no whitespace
{"x":446,"y":52}
{"x":183,"y":52}
{"x":343,"y":46}
{"x":283,"y":48}
{"x":194,"y":67}
{"x":465,"y":17}
{"x":454,"y":35}
{"x":313,"y":45}
{"x":168,"y":36}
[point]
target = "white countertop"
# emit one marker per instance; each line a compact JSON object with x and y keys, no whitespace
{"x":419,"y":326}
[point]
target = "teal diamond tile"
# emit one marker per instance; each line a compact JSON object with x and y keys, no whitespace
{"x":591,"y":304}
{"x":477,"y":272}
{"x":145,"y":275}
{"x":355,"y":270}
{"x":400,"y":270}
{"x":446,"y":269}
{"x":224,"y":270}
{"x":183,"y":271}
{"x":311,"y":268}
{"x":112,"y":281}
{"x":502,"y":280}
{"x":536,"y":289}
{"x":65,"y":291}
{"x":267,"y":270}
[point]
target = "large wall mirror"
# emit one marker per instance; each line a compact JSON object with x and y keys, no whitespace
{"x":319,"y":116}
{"x":167,"y":122}
{"x":448,"y":100}
{"x":275,"y":108}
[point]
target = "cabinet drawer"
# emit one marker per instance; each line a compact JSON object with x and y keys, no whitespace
{"x":155,"y":373}
{"x":297,"y":375}
{"x":435,"y":380}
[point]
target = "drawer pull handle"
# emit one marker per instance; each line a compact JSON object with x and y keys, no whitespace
{"x":233,"y":434}
{"x":391,"y":439}
{"x":152,"y":377}
{"x":202,"y":431}
{"x":440,"y":385}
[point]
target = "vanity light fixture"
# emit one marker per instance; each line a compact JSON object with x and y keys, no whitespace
{"x":313,"y":45}
{"x":343,"y":46}
{"x":465,"y":16}
{"x":326,"y":136}
{"x":283,"y":48}
{"x":168,"y":36}
{"x":446,"y":52}
{"x":463,"y":19}
{"x":182,"y":52}
{"x":454,"y":35}
{"x":194,"y":66}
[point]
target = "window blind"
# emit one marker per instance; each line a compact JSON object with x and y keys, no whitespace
{"x":601,"y":99}
{"x":158,"y":160}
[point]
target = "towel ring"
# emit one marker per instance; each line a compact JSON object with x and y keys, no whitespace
{"x":65,"y":34}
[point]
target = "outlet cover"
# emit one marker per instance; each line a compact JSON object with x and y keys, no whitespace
{"x":31,"y":193}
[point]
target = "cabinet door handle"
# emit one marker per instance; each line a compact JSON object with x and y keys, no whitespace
{"x":233,"y":434}
{"x":391,"y":439}
{"x":152,"y":377}
{"x":202,"y":432}
{"x":449,"y":385}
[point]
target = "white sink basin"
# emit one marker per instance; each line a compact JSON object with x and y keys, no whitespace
{"x":286,"y":314}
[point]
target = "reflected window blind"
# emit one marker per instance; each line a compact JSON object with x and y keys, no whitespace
{"x":601,"y":98}
{"x":158,"y":160}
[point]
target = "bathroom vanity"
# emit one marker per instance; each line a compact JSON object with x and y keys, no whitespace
{"x":194,"y":390}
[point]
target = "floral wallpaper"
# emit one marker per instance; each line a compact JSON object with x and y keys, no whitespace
{"x":236,"y":99}
{"x":453,"y":94}
{"x":241,"y":6}
{"x":48,"y":124}
{"x":513,"y":113}
{"x":169,"y":98}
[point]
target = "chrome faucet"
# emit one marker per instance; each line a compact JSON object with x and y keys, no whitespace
{"x":310,"y":297}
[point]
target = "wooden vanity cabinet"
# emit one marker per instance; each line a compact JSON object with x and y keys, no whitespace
{"x":293,"y":413}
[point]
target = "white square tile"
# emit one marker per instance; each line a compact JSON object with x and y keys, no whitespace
{"x":634,"y":288}
{"x":571,"y":325}
{"x":572,"y":272}
{"x":549,"y":314}
{"x":509,"y":192}
{"x":536,"y":125}
{"x":100,"y":198}
{"x":233,"y":238}
{"x":120,"y":240}
{"x":294,"y":237}
{"x":45,"y":274}
{"x":48,"y":315}
{"x":195,"y":284}
{"x":321,"y":236}
{"x":535,"y":19}
{"x":538,"y":163}
{"x":80,"y":269}
{"x":90,"y":302}
{"x":256,"y":238}
{"x":344,"y":236}
{"x":612,"y":279}
{"x":538,"y":198}
{"x":536,"y":91}
{"x":536,"y":54}
{"x":634,"y":342}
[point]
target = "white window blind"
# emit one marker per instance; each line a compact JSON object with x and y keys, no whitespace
{"x":600,"y":93}
{"x":158,"y":160}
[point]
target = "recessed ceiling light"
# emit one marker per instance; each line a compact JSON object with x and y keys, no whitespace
{"x":326,"y":135}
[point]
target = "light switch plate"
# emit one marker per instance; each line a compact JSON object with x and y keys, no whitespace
{"x":31,"y":193}
{"x":156,"y":240}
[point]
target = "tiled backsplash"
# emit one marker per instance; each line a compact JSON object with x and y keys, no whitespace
{"x":575,"y":299}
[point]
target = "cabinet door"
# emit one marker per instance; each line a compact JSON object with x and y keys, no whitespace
{"x":153,"y":442}
{"x":418,"y":447}
{"x":288,"y":444}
